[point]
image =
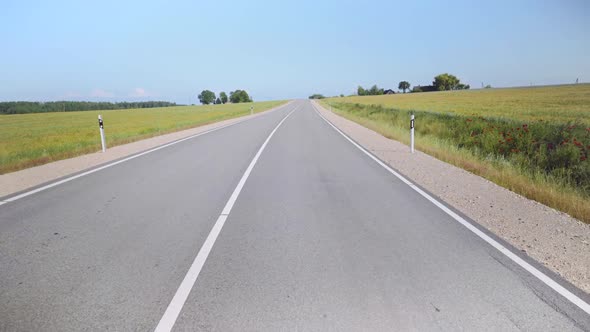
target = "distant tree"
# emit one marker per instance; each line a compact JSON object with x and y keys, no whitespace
{"x":487,"y":87}
{"x":404,"y":85}
{"x":417,"y":89}
{"x":217,"y":101}
{"x":316,"y":96}
{"x":444,"y":82}
{"x":207,"y":97}
{"x":462,"y":86}
{"x":239,"y":96}
{"x":223,"y":97}
{"x":375,"y":90}
{"x":19,"y":107}
{"x":341,"y":95}
{"x":361,"y":91}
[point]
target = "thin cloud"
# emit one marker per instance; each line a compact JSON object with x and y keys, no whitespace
{"x":100,"y":93}
{"x":138,"y":93}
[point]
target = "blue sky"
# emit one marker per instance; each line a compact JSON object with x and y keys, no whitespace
{"x":171,"y":50}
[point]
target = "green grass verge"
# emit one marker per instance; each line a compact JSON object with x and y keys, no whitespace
{"x":28,"y":140}
{"x":544,"y":161}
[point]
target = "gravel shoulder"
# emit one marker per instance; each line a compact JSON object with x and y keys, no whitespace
{"x":14,"y":182}
{"x":553,"y":238}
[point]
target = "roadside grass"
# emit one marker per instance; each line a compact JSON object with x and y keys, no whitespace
{"x":28,"y":140}
{"x":546,"y":161}
{"x":561,"y":103}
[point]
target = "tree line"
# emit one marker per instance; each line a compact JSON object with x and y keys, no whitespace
{"x":207,"y":97}
{"x":21,"y":107}
{"x":442,"y":82}
{"x":373,"y":91}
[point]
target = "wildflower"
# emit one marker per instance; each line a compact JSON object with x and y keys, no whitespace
{"x":583,"y":158}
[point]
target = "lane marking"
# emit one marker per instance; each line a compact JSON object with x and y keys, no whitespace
{"x":515,"y":258}
{"x":169,"y":318}
{"x":57,"y":183}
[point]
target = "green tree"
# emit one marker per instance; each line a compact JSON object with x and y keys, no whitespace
{"x":361,"y":91}
{"x":239,"y":96}
{"x":317,"y":96}
{"x":217,"y":101}
{"x":223,"y":97}
{"x":404,"y":85}
{"x":207,"y":97}
{"x":375,"y":90}
{"x":444,"y":82}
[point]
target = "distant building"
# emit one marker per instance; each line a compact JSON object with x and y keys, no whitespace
{"x":388,"y":92}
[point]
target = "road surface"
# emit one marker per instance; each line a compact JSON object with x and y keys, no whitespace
{"x":256,"y":227}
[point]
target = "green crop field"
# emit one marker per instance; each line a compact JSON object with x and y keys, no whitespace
{"x":534,"y":141}
{"x":559,"y":103}
{"x":33,"y":139}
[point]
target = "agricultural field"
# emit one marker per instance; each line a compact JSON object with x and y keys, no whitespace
{"x":28,"y":140}
{"x":534,"y":141}
{"x":560,"y":103}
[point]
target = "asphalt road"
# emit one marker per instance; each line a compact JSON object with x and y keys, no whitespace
{"x":320,"y":237}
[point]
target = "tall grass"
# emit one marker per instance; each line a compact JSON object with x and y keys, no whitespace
{"x":33,"y":139}
{"x":544,"y":161}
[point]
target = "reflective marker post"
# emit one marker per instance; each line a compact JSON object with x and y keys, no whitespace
{"x":101,"y":126}
{"x":412,"y":133}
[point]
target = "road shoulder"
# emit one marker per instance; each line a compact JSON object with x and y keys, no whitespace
{"x":553,"y":238}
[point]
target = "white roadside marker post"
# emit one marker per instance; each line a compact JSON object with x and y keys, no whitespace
{"x":412,"y":133}
{"x":101,"y":127}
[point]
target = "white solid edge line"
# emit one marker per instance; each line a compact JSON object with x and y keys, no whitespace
{"x":515,"y":258}
{"x":173,"y":310}
{"x":57,"y":183}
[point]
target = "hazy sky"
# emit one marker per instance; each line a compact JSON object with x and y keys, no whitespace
{"x":171,"y":50}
